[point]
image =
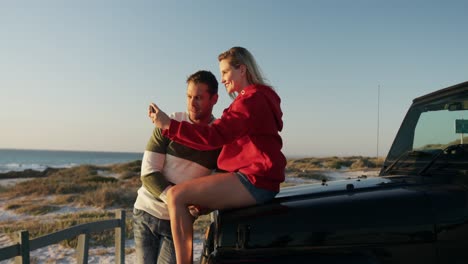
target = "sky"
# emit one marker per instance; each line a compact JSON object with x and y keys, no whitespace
{"x":79,"y":75}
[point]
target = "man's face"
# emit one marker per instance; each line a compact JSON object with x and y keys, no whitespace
{"x":199,"y":102}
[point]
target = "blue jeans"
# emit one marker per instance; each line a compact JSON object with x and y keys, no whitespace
{"x":153,"y":239}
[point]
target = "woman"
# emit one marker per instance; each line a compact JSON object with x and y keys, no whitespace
{"x":248,"y":132}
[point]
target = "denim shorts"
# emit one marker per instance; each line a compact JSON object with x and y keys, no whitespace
{"x":260,"y":195}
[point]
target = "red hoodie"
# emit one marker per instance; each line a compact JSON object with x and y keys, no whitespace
{"x":248,"y":132}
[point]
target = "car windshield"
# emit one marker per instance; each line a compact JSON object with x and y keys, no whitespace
{"x":428,"y":130}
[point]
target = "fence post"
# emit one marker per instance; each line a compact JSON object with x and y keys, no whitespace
{"x":23,"y":240}
{"x":82,"y":249}
{"x":120,"y":238}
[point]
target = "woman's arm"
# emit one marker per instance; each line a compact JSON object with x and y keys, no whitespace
{"x":235,"y":123}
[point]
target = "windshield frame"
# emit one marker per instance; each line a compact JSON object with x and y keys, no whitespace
{"x":404,"y":140}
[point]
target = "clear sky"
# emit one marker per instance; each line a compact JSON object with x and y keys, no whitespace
{"x":79,"y":75}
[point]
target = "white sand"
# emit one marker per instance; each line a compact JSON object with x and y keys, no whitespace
{"x":11,"y":182}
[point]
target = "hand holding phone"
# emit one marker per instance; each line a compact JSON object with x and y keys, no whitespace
{"x":158,"y":117}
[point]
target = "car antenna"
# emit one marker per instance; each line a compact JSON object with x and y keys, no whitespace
{"x":378,"y":120}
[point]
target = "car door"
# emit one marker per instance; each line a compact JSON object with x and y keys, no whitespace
{"x":450,"y":203}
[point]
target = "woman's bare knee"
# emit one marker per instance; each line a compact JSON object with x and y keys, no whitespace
{"x":170,"y":195}
{"x":174,"y":195}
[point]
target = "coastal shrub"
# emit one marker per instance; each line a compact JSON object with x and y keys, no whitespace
{"x":287,"y":184}
{"x":130,"y":185}
{"x":109,"y":195}
{"x":67,"y":188}
{"x":379,"y":162}
{"x":358,"y":164}
{"x":297,"y":165}
{"x":133,"y":166}
{"x":78,"y":180}
{"x":314,"y":175}
{"x":367,"y":162}
{"x":33,"y":207}
{"x":100,"y":179}
{"x":21,"y":174}
{"x":78,"y":171}
{"x":81,"y":186}
{"x":65,"y":199}
{"x":12,"y":206}
{"x":353,"y":162}
{"x":334,"y":163}
{"x":126,"y":175}
{"x":32,"y":187}
{"x":36,"y":209}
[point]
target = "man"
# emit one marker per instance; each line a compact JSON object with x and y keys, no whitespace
{"x":166,"y":163}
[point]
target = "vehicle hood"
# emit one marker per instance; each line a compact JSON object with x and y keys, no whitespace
{"x":348,"y":185}
{"x":317,"y":214}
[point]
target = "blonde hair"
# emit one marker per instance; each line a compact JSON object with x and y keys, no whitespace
{"x":237,"y":56}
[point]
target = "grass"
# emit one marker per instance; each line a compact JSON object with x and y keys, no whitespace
{"x":333,"y":163}
{"x":31,"y":209}
{"x":83,"y":186}
{"x":312,"y":175}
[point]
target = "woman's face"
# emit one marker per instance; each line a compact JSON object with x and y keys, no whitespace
{"x":233,"y":79}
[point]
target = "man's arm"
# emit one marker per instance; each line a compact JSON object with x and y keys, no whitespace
{"x":152,"y":166}
{"x":156,"y":184}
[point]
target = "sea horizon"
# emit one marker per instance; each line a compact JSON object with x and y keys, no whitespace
{"x":72,"y":150}
{"x":36,"y":159}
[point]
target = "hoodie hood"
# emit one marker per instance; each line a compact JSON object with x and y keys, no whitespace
{"x":272,"y":100}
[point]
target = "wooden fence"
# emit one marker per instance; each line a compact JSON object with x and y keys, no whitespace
{"x":20,"y":251}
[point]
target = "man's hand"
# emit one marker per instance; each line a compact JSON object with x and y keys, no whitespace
{"x":158,"y":117}
{"x":196,"y":211}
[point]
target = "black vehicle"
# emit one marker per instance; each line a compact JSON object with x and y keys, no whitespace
{"x":416,"y":211}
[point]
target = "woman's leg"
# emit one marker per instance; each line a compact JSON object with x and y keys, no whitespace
{"x":218,"y":191}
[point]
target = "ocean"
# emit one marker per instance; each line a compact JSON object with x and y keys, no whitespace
{"x":19,"y":160}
